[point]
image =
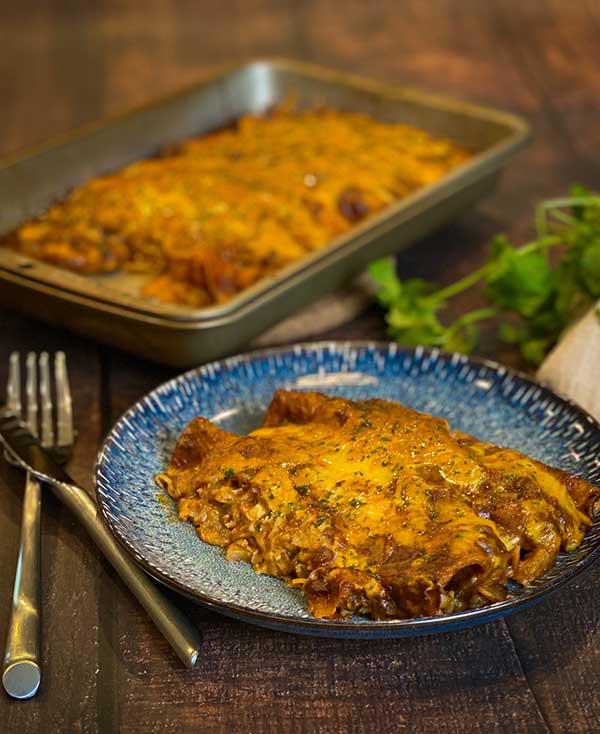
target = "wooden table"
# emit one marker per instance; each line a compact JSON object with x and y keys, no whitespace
{"x":106,"y":669}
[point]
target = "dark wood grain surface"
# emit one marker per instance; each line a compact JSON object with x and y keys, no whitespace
{"x":106,"y":669}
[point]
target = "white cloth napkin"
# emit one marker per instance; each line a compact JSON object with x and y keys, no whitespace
{"x":327,"y":313}
{"x":573,"y":366}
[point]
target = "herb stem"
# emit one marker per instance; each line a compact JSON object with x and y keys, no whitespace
{"x":461,"y":285}
{"x":478,"y":315}
{"x":562,"y":216}
{"x":541,"y":244}
{"x":570,"y":202}
{"x":472,"y":278}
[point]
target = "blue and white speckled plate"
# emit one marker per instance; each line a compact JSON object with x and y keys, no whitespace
{"x":481,"y":398}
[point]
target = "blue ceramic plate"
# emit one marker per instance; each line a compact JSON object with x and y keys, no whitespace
{"x":481,"y":398}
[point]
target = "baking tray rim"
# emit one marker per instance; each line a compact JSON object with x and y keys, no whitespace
{"x":31,"y":271}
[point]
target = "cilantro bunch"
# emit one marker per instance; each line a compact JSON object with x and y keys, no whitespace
{"x":534,"y":297}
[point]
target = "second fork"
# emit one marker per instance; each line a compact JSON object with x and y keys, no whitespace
{"x":21,"y":672}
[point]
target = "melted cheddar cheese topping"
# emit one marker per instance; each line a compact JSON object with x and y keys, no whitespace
{"x":371,"y":508}
{"x":211,"y":216}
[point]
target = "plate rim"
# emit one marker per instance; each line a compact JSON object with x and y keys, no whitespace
{"x":333,"y":627}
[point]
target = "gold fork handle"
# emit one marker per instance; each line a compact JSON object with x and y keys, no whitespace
{"x":21,"y":668}
{"x":183,"y":637}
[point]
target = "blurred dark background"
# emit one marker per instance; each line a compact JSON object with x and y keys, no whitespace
{"x":64,"y":63}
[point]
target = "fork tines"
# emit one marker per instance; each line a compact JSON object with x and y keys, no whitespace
{"x":39,"y":397}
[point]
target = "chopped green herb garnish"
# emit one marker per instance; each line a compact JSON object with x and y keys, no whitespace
{"x":541,"y":297}
{"x":303,"y":488}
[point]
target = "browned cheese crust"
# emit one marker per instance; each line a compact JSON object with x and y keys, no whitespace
{"x":212,"y":215}
{"x":371,"y":508}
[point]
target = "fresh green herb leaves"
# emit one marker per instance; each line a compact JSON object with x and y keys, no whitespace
{"x":413,"y":308}
{"x":521,"y":281}
{"x":539,"y":297}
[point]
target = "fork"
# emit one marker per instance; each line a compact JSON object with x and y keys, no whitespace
{"x":21,"y":671}
{"x":26,"y":451}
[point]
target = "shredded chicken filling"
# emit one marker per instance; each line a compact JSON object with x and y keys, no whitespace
{"x":373,"y":509}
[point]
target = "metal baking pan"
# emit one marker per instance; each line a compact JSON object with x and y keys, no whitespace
{"x":109,"y":308}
